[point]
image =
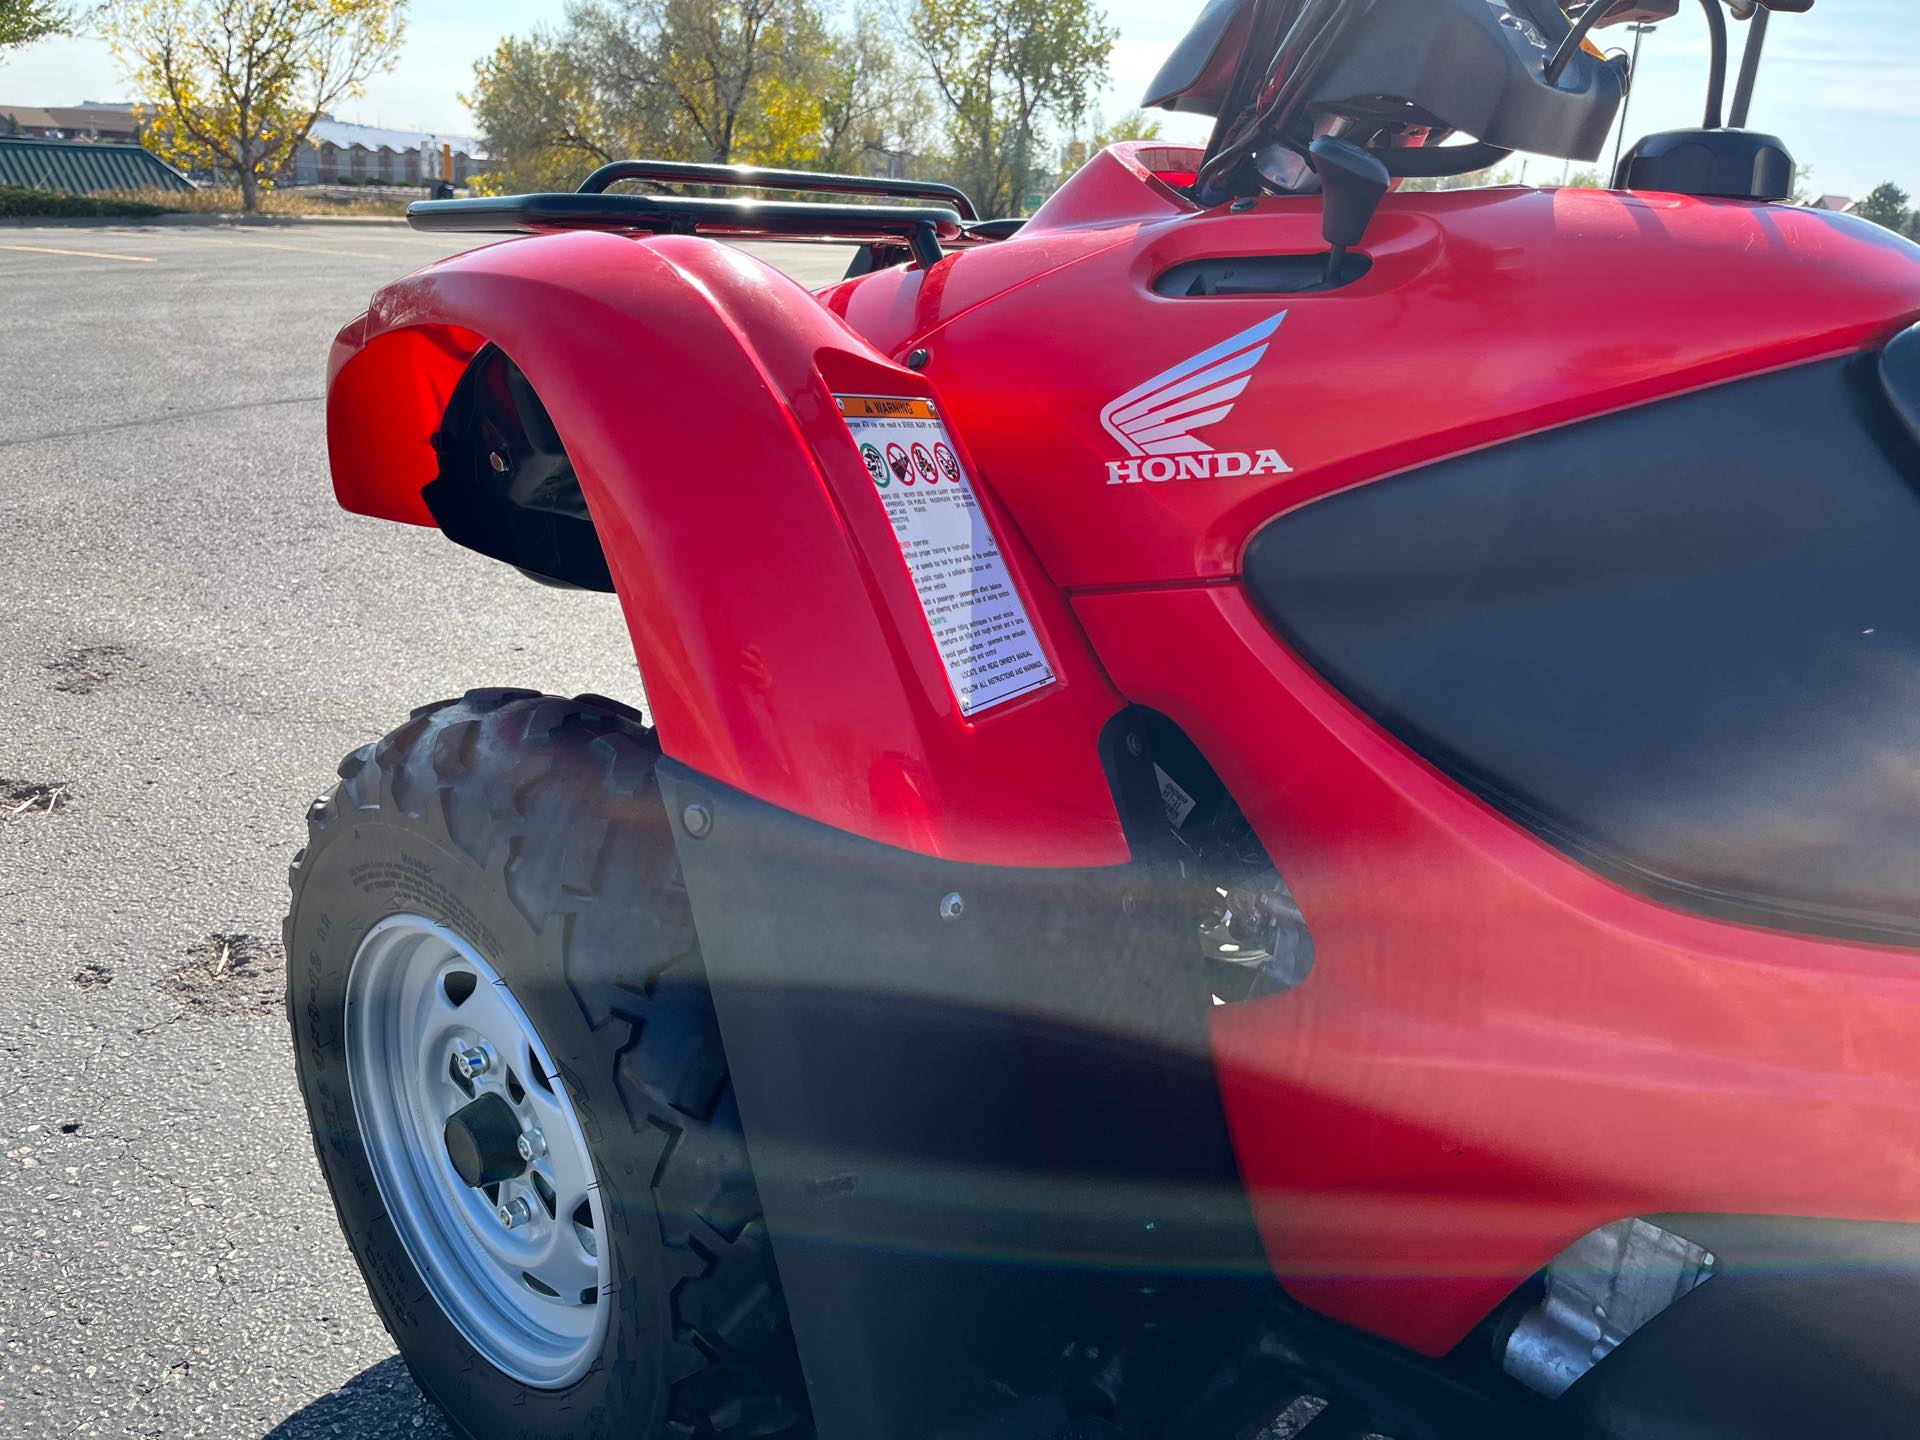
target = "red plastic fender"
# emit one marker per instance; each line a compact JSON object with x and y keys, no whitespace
{"x":780,"y":639}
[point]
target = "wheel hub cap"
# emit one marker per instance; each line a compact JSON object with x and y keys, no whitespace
{"x":479,"y":1157}
{"x":482,"y":1142}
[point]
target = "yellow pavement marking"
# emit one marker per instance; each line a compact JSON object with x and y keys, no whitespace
{"x":298,"y":249}
{"x":82,"y":254}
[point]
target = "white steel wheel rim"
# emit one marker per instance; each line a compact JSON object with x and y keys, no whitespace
{"x":531,"y":1299}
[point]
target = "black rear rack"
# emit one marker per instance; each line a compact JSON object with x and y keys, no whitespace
{"x":921,"y":229}
{"x":752,"y":177}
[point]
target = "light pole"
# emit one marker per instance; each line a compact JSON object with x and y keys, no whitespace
{"x":1633,"y":73}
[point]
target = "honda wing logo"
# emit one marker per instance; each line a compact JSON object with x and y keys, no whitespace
{"x":1154,"y":422}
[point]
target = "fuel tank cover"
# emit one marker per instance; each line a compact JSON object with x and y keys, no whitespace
{"x":1731,"y":164}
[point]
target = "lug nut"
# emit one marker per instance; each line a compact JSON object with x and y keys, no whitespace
{"x":531,"y":1144}
{"x":515,"y":1213}
{"x":470,"y":1061}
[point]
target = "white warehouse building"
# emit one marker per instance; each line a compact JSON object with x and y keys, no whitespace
{"x":337,"y":152}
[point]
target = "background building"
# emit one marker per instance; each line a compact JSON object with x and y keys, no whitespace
{"x":338,"y":152}
{"x":83,"y":167}
{"x":94,"y":120}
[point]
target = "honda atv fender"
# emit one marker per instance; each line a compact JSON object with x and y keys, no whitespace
{"x":779,"y":635}
{"x":957,"y":990}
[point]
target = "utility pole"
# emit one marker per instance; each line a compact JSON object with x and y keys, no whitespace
{"x":1633,"y":73}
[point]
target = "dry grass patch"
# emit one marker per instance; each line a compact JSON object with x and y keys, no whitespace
{"x":272,"y":202}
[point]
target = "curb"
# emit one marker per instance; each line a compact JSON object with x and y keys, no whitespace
{"x":96,"y":222}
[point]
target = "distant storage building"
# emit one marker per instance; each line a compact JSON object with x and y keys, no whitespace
{"x":95,"y":120}
{"x":337,"y":152}
{"x":83,"y":167}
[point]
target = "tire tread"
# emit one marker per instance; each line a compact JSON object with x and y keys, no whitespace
{"x":492,"y":769}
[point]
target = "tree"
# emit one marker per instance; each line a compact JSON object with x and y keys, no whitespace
{"x":24,"y":21}
{"x":726,"y":80}
{"x":543,"y":114}
{"x":764,"y":82}
{"x":874,"y":104}
{"x":1134,"y":125}
{"x":238,"y":84}
{"x":1886,"y":204}
{"x":680,"y":79}
{"x":1003,"y":68}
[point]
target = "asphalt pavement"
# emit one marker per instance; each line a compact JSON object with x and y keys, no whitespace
{"x":191,"y":635}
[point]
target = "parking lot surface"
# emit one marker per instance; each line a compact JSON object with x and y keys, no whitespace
{"x":191,"y":634}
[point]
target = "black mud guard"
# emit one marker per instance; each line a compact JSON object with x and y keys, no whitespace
{"x":983,"y":1120}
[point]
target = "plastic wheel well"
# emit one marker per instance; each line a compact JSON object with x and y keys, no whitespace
{"x":506,"y":487}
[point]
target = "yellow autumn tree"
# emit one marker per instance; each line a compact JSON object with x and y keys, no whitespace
{"x":546,"y":116}
{"x":761,"y":82}
{"x":236,"y":85}
{"x":728,"y":74}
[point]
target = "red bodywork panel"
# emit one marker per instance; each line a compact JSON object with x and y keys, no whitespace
{"x":1498,"y":1051}
{"x":1487,"y":314}
{"x":694,"y":386}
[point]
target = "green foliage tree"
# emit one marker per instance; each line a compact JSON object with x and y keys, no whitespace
{"x":24,"y":21}
{"x":764,"y":82}
{"x":1886,"y":204}
{"x":1134,"y":125}
{"x":544,"y":113}
{"x":773,"y":82}
{"x":728,"y":79}
{"x":236,"y":85}
{"x":1004,"y":69}
{"x":873,"y":103}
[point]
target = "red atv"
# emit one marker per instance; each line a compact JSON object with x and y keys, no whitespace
{"x":1274,"y":803}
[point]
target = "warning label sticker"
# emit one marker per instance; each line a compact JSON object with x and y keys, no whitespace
{"x":985,"y":638}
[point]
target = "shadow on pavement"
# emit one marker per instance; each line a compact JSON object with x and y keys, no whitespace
{"x":380,"y":1401}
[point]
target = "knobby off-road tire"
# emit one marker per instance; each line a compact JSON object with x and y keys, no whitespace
{"x":533,"y":828}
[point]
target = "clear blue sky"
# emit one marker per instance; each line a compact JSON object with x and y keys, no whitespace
{"x":1842,"y":84}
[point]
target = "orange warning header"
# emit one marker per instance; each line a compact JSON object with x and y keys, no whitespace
{"x":885,"y":407}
